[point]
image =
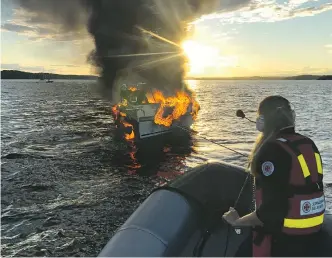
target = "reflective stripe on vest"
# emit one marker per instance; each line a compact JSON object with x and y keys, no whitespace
{"x":305,"y":208}
{"x":304,"y":223}
{"x":303,"y":204}
{"x":304,"y":166}
{"x":319,"y":163}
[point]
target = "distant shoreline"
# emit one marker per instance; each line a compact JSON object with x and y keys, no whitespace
{"x":20,"y":75}
{"x":15,"y":74}
{"x":297,"y":77}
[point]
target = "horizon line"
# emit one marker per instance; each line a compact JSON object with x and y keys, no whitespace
{"x":185,"y":78}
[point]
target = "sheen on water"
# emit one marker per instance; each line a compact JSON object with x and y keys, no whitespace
{"x":69,"y":180}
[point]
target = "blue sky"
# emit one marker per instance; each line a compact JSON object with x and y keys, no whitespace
{"x":254,"y":38}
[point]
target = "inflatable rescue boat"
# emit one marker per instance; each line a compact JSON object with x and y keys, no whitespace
{"x":184,"y":218}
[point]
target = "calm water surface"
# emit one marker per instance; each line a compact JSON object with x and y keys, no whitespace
{"x":68,"y":182}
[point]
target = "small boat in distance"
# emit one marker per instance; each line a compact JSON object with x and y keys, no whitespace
{"x":48,"y":79}
{"x":42,"y":77}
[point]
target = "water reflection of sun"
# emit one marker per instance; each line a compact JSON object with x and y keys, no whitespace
{"x":192,"y":84}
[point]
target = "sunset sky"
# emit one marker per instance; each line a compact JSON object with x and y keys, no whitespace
{"x":259,"y":38}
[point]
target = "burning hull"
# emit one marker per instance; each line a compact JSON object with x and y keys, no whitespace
{"x":146,"y":112}
{"x":138,"y":121}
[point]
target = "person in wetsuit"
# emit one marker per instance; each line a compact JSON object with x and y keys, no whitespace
{"x":290,"y":201}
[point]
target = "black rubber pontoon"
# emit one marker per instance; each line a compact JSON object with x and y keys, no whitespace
{"x":184,"y":218}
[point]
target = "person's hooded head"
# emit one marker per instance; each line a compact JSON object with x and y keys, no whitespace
{"x":274,"y":113}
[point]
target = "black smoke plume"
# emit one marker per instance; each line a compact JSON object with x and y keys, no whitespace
{"x":140,"y":40}
{"x":135,"y":40}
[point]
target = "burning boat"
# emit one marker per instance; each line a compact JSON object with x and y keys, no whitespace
{"x":146,"y":112}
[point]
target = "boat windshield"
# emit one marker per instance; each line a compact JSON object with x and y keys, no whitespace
{"x":133,"y":95}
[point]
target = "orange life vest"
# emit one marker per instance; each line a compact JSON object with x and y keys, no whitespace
{"x":306,"y":197}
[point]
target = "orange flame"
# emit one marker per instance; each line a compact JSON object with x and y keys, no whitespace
{"x":118,"y":115}
{"x":132,"y":134}
{"x":135,"y":163}
{"x":179,"y":103}
{"x":132,"y":88}
{"x":171,"y":108}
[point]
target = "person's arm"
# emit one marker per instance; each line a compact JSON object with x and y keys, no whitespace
{"x":274,"y":166}
{"x":275,"y":163}
{"x":249,"y":220}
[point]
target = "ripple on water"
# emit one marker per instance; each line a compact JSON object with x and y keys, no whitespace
{"x":68,"y":182}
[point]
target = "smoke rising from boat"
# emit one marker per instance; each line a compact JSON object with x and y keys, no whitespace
{"x":123,"y":29}
{"x":126,"y":32}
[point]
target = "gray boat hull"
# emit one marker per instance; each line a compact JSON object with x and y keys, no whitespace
{"x":184,"y":218}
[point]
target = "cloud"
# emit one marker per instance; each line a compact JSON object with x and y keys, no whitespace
{"x":42,"y":32}
{"x":311,"y":11}
{"x":269,"y":11}
{"x":70,"y":65}
{"x":16,"y":28}
{"x":67,"y":15}
{"x":65,"y":20}
{"x":231,"y":5}
{"x":28,"y":30}
{"x":49,"y":25}
{"x":329,"y":48}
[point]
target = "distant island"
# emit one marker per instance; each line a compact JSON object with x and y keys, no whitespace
{"x":14,"y":74}
{"x":325,"y":77}
{"x":297,"y":77}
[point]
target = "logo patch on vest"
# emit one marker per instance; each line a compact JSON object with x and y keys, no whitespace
{"x":238,"y":231}
{"x":312,"y":206}
{"x":306,"y":207}
{"x":267,"y":168}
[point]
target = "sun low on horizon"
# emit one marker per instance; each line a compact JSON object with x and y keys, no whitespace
{"x":202,"y":57}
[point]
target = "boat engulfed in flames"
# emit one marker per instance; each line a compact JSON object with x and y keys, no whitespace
{"x":144,"y":113}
